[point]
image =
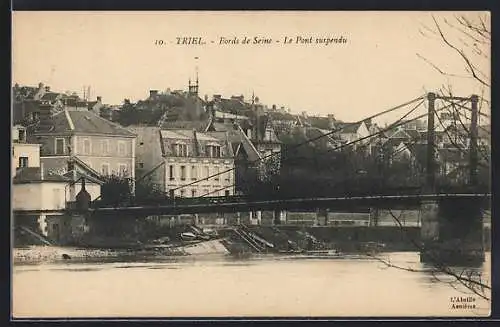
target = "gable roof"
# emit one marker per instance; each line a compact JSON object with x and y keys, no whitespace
{"x":79,"y":174}
{"x":348,"y":128}
{"x":250,"y":150}
{"x":85,"y":122}
{"x":86,"y":169}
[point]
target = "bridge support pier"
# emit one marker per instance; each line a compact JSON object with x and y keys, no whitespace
{"x":452,"y":232}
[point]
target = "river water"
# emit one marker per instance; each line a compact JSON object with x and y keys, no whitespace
{"x":223,"y":286}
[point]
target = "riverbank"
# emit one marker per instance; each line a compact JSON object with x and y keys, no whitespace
{"x":47,"y":253}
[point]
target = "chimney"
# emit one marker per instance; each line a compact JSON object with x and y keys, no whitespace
{"x":217,"y":97}
{"x":99,"y":99}
{"x":331,"y":121}
{"x":153,"y":93}
{"x":206,"y":98}
{"x":41,"y":171}
{"x":40,"y":85}
{"x":274,"y":107}
{"x":47,"y":89}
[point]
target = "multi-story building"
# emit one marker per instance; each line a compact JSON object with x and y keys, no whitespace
{"x":186,"y":163}
{"x":102,"y":147}
{"x":23,"y":154}
{"x":39,"y":195}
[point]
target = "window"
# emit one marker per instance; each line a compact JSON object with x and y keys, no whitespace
{"x":216,"y":173}
{"x":183,"y":173}
{"x":227,"y":193}
{"x":59,"y":147}
{"x":183,"y":150}
{"x":228,"y":174}
{"x":86,"y":146}
{"x":207,"y":172}
{"x":213,"y":151}
{"x":122,"y":170}
{"x":121,"y":148}
{"x":171,"y":172}
{"x":205,"y":192}
{"x":22,"y":135}
{"x":140,"y":165}
{"x":104,"y":146}
{"x":105,"y":169}
{"x":194,"y":173}
{"x":180,"y":150}
{"x":23,"y":162}
{"x":193,"y":193}
{"x":183,"y":192}
{"x":35,"y":115}
{"x":171,"y":193}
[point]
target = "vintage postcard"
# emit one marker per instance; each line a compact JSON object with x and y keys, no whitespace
{"x":251,"y":164}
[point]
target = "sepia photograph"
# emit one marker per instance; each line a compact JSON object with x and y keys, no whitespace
{"x":250,"y":164}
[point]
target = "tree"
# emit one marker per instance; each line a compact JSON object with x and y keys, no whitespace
{"x":147,"y":191}
{"x":128,"y":113}
{"x":469,"y":38}
{"x":116,"y":190}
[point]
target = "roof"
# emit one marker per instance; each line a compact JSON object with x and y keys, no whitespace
{"x":251,"y":151}
{"x":79,"y":174}
{"x":74,"y":101}
{"x":50,"y":96}
{"x":85,"y":122}
{"x":231,"y":105}
{"x":406,"y":134}
{"x":264,"y":122}
{"x":483,"y":131}
{"x":176,"y":134}
{"x":86,"y":168}
{"x":227,"y":115}
{"x":348,"y":127}
{"x":319,"y":122}
{"x":276,"y":115}
{"x":186,"y":134}
{"x":33,"y":174}
{"x":198,"y":125}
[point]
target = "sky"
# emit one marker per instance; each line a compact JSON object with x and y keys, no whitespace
{"x":116,"y":54}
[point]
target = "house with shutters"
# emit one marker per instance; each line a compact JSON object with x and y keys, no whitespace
{"x":184,"y":162}
{"x":100,"y":146}
{"x":39,"y":194}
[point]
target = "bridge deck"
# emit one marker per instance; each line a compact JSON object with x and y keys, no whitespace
{"x":222,"y":204}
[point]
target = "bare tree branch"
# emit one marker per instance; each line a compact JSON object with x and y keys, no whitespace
{"x":440,"y":70}
{"x":471,"y":280}
{"x":469,"y":65}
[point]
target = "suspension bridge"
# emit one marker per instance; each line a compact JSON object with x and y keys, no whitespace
{"x":438,"y":207}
